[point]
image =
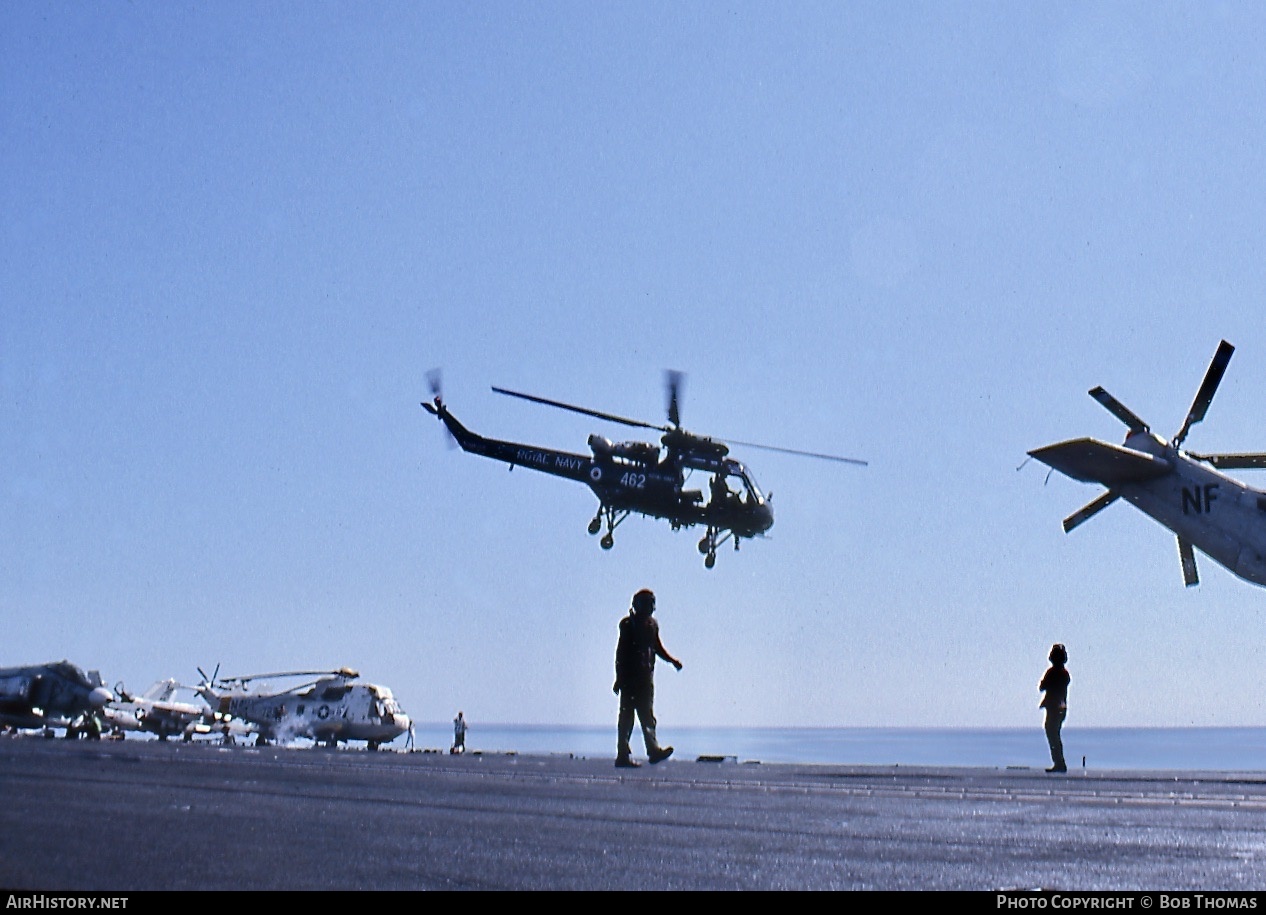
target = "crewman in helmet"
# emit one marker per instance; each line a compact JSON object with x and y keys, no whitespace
{"x":635,"y":655}
{"x":1055,"y":685}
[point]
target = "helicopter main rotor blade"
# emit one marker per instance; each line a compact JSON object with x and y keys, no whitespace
{"x":584,"y":410}
{"x":812,"y":454}
{"x":1119,"y":410}
{"x":345,"y":672}
{"x":1212,"y":378}
{"x":673,"y":381}
{"x":1086,"y":512}
{"x":1247,"y":461}
{"x":1187,"y":556}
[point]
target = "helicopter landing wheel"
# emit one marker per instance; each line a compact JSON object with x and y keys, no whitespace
{"x":594,"y":525}
{"x":607,"y":542}
{"x":704,"y":546}
{"x":710,"y":560}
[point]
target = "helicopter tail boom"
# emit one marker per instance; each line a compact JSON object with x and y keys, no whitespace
{"x":1092,"y":461}
{"x":559,"y":463}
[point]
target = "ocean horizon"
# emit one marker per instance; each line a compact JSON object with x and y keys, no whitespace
{"x":1177,"y":748}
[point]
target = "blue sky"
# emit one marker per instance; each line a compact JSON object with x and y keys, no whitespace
{"x":234,"y":237}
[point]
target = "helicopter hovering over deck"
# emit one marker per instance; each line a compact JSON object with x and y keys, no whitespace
{"x":645,"y":478}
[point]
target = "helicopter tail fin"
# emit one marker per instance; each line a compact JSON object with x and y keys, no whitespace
{"x":457,"y":434}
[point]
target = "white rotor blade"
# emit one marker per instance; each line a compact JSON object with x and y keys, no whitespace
{"x":1119,"y":410}
{"x":1187,"y":556}
{"x":1089,"y":510}
{"x":1212,"y":378}
{"x":1247,"y":461}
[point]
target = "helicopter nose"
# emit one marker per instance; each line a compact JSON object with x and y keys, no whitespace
{"x":99,"y":697}
{"x":765,"y":516}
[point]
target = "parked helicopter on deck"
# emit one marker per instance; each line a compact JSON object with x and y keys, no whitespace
{"x":643,"y":477}
{"x":330,"y":709}
{"x":1183,"y":491}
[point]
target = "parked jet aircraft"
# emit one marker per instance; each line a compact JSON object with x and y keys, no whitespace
{"x":158,"y":712}
{"x":54,"y":695}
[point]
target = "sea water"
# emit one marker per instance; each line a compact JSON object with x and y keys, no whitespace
{"x":1218,"y":749}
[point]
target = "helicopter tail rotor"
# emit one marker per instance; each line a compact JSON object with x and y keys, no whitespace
{"x":435,"y":381}
{"x":207,"y":688}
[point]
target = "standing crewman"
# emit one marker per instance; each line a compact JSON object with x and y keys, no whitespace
{"x":635,"y":655}
{"x":1054,"y":686}
{"x":459,"y":734}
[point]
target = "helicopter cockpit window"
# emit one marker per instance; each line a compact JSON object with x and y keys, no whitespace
{"x":751,"y":492}
{"x":720,"y":490}
{"x":733,"y":483}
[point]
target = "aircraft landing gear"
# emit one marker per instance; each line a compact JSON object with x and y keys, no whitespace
{"x":612,"y":517}
{"x":708,"y":545}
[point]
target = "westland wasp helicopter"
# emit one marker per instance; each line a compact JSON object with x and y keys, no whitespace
{"x":54,"y":695}
{"x":327,"y":710}
{"x":1182,"y":490}
{"x":644,"y":477}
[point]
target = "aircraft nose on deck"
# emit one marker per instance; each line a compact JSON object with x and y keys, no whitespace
{"x":100,"y":696}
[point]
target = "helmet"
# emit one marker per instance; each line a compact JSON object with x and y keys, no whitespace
{"x":644,"y":602}
{"x":1059,"y":654}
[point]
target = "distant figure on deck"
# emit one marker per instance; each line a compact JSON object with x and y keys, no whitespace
{"x":459,"y":734}
{"x":635,"y":655}
{"x":1055,"y":685}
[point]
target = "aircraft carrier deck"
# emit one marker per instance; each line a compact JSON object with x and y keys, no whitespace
{"x":120,"y":816}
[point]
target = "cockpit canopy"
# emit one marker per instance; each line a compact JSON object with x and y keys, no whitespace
{"x":738,"y":481}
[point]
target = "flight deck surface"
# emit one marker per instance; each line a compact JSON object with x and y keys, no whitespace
{"x":147,"y":815}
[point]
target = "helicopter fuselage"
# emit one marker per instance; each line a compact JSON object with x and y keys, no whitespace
{"x":1223,"y":517}
{"x":327,"y":712}
{"x":631,"y":477}
{"x":1180,"y":490}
